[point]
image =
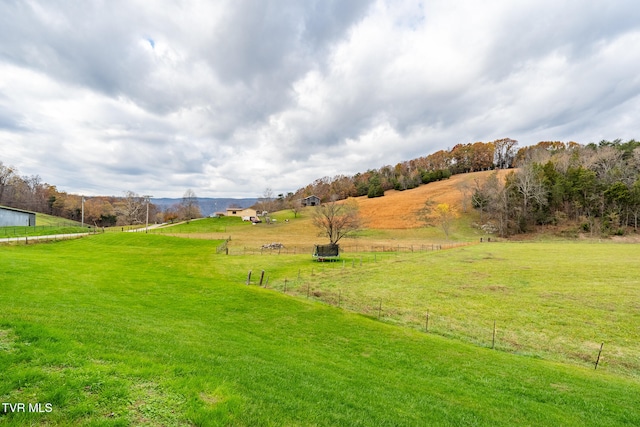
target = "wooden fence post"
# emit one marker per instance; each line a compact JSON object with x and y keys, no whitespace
{"x":261,"y":278}
{"x":249,"y":277}
{"x":599,"y":353}
{"x":493,"y":339}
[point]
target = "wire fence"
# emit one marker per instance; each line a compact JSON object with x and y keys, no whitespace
{"x":322,"y":283}
{"x":13,"y":231}
{"x":344,"y":249}
{"x":27,"y":240}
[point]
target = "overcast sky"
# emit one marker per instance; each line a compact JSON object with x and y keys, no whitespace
{"x":230,"y":97}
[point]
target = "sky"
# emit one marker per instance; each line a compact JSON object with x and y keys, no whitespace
{"x":229,"y":98}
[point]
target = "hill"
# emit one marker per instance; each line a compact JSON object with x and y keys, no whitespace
{"x":397,"y":209}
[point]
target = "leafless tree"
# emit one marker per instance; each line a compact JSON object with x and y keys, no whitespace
{"x":131,"y":209}
{"x":504,"y":152}
{"x":266,"y":202}
{"x":466,"y":190}
{"x":190,"y":206}
{"x":528,"y":182}
{"x":294,"y":204}
{"x":6,"y":173}
{"x":336,"y":220}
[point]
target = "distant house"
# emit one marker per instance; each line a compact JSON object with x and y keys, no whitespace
{"x":10,"y":217}
{"x":311,"y":201}
{"x":241,"y":212}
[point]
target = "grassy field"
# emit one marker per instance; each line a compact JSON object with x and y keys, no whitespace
{"x":144,"y":329}
{"x":55,"y":221}
{"x":559,"y":301}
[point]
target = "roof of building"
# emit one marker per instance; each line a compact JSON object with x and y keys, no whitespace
{"x":16,"y":210}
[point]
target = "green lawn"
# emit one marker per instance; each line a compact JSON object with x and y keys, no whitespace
{"x":141,"y":329}
{"x":203,"y":225}
{"x":559,"y":301}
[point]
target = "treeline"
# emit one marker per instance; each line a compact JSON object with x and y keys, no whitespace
{"x":462,"y":158}
{"x":30,"y":193}
{"x":596,"y":186}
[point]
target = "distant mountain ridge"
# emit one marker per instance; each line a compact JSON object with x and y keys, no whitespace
{"x":208,"y":205}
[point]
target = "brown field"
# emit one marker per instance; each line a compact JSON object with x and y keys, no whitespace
{"x":397,"y":209}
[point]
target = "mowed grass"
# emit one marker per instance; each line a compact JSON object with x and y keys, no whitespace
{"x":40,"y":230}
{"x":140,"y":329}
{"x":559,"y":301}
{"x":55,"y":221}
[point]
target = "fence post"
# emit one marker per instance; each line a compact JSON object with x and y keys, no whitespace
{"x":379,"y":309}
{"x":261,"y":277}
{"x":249,"y":277}
{"x":493,"y":339}
{"x":599,"y":353}
{"x":426,"y":325}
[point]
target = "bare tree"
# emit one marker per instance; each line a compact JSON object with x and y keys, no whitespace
{"x":266,"y":202}
{"x":528,"y":182}
{"x":466,"y":190}
{"x":190,"y":206}
{"x":130,"y":210}
{"x":336,"y":220}
{"x":504,"y":152}
{"x":295,"y":205}
{"x":6,"y":173}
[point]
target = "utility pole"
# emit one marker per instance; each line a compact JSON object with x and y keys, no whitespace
{"x":147,"y":198}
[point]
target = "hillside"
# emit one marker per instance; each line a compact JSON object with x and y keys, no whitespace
{"x":397,"y":209}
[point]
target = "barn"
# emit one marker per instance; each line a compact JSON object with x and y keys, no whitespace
{"x":10,"y":217}
{"x":311,"y":201}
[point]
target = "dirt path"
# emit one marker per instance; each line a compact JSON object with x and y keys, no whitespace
{"x":27,"y":239}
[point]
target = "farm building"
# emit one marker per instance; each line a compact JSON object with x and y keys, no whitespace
{"x":241,"y":212}
{"x":10,"y":217}
{"x":311,"y":201}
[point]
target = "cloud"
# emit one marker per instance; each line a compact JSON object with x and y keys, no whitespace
{"x":231,"y":97}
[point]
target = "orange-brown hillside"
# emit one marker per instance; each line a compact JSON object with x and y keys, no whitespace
{"x":397,"y":209}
